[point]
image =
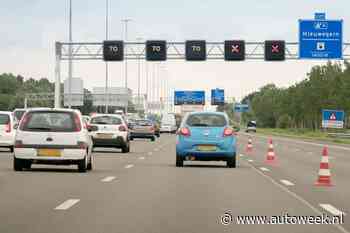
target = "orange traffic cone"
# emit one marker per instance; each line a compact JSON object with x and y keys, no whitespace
{"x":324,"y":174}
{"x":270,"y":157}
{"x":249,"y":147}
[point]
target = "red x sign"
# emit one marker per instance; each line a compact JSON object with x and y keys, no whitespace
{"x":275,"y":48}
{"x":235,"y":49}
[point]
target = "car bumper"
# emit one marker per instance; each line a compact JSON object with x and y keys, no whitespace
{"x":113,"y":142}
{"x":66,"y":154}
{"x":141,"y":135}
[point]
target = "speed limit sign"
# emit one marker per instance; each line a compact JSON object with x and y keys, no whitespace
{"x":113,"y":50}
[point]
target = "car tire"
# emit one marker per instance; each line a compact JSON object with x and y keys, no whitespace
{"x":126,"y":148}
{"x":153,"y":138}
{"x":158,"y":135}
{"x":90,"y":165}
{"x":82,"y":166}
{"x":27,"y":164}
{"x":131,"y":139}
{"x":231,"y":162}
{"x":179,"y":161}
{"x":11,"y":149}
{"x":17,"y":164}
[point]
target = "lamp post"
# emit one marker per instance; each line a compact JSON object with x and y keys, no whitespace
{"x":126,"y":21}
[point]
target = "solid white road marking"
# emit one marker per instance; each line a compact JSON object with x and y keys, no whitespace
{"x":67,"y":204}
{"x":331,"y":209}
{"x":302,"y":200}
{"x":287,"y":182}
{"x":264,"y":169}
{"x":142,"y":158}
{"x":129,"y":166}
{"x":108,"y":179}
{"x":250,"y":160}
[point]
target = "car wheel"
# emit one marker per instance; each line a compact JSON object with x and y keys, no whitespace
{"x":17,"y":164}
{"x":11,"y":149}
{"x":153,"y":138}
{"x":179,"y":161}
{"x":231,"y":162}
{"x":126,"y":148}
{"x":90,"y":164}
{"x":158,"y":135}
{"x":131,"y":139}
{"x":82,"y":165}
{"x":26,"y":164}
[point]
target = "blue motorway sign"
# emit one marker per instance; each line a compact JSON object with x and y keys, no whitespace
{"x":333,"y":118}
{"x":189,"y":97}
{"x":217,"y":96}
{"x":241,"y":107}
{"x":320,"y":39}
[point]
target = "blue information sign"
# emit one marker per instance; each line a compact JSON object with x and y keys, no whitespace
{"x":217,"y":96}
{"x":320,"y":39}
{"x":333,"y":118}
{"x":189,"y":97}
{"x":241,"y":107}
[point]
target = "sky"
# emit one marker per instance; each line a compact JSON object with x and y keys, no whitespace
{"x":29,"y":29}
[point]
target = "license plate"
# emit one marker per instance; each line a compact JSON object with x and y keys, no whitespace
{"x":49,"y":152}
{"x":206,"y":148}
{"x":105,"y":136}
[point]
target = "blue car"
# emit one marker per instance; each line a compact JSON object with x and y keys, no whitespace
{"x":206,"y":136}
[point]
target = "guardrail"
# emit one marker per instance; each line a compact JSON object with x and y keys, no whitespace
{"x":339,"y":135}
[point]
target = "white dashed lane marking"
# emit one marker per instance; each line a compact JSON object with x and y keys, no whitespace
{"x":250,"y":160}
{"x":331,"y":209}
{"x":287,"y":182}
{"x":67,"y":204}
{"x":108,"y":179}
{"x":264,"y":169}
{"x":241,"y":155}
{"x":142,"y":158}
{"x":149,"y":153}
{"x":129,"y":166}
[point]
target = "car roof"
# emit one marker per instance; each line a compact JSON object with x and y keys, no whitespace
{"x":53,"y":109}
{"x":6,"y":112}
{"x":102,"y":114}
{"x":208,"y":112}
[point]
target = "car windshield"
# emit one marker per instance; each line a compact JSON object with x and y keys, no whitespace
{"x":106,"y":120}
{"x":18,"y":114}
{"x":4,"y":119}
{"x":206,"y":120}
{"x":49,"y":121}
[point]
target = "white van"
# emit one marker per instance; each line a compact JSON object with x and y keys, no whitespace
{"x":168,"y":123}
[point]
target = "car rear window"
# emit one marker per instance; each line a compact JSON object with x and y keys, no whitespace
{"x":106,"y":120}
{"x":49,"y":121}
{"x":4,"y":119}
{"x":19,"y":114}
{"x":144,"y":123}
{"x":206,"y":120}
{"x":251,"y":124}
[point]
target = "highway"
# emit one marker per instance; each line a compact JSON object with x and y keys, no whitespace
{"x":143,"y":191}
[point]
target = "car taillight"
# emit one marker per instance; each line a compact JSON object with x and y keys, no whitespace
{"x":77,"y":123}
{"x":228,"y":132}
{"x":185,"y":132}
{"x":18,"y":144}
{"x":122,"y":128}
{"x":8,"y":128}
{"x":82,"y":145}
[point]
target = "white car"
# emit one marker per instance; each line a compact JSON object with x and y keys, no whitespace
{"x":7,"y":131}
{"x":52,"y":136}
{"x":112,"y":131}
{"x":168,"y":124}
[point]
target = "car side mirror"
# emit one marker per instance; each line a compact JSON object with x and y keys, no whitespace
{"x":92,"y":128}
{"x":15,"y":126}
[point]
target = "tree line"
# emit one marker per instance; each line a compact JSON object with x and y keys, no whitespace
{"x":300,"y":105}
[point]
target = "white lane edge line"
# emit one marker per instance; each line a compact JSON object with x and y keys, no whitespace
{"x":108,"y":179}
{"x":67,"y":204}
{"x":287,"y":182}
{"x":302,"y":200}
{"x":129,"y":166}
{"x":331,"y":209}
{"x":264,"y":169}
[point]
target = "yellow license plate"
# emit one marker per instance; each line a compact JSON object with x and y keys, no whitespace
{"x":104,"y":136}
{"x":49,"y":152}
{"x":206,"y":148}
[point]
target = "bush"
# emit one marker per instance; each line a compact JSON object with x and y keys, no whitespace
{"x":284,"y":121}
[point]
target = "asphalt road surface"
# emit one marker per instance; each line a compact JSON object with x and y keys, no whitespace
{"x":143,"y":191}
